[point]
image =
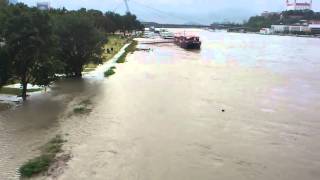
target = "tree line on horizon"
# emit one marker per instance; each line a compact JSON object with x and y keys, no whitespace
{"x":36,"y":45}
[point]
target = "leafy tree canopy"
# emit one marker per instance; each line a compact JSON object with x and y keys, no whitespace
{"x":29,"y":41}
{"x":79,"y":41}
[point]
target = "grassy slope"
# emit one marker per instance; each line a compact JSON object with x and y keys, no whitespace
{"x":115,"y":42}
{"x":16,"y":91}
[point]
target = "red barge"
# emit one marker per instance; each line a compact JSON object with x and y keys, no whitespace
{"x":187,"y":42}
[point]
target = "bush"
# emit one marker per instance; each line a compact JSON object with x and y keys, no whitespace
{"x":54,"y":146}
{"x":79,"y":110}
{"x":130,"y":49}
{"x":82,"y":108}
{"x":109,"y":72}
{"x":36,"y":165}
{"x":122,"y":58}
{"x":42,"y":163}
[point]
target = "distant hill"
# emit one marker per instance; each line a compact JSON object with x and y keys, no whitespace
{"x":192,"y":23}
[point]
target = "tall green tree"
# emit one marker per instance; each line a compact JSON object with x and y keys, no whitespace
{"x":29,"y":41}
{"x":3,"y":8}
{"x":4,"y":67}
{"x":255,"y":23}
{"x":4,"y":3}
{"x":80,"y":42}
{"x":3,"y":55}
{"x":98,"y":18}
{"x":112,"y":22}
{"x":130,"y":23}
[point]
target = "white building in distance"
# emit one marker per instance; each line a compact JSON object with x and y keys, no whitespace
{"x":298,"y":5}
{"x":289,"y":28}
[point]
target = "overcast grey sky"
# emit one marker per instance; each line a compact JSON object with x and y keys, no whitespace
{"x":180,"y":11}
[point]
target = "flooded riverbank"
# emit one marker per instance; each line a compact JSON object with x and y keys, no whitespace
{"x":160,"y":116}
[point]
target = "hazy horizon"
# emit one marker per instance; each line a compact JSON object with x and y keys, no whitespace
{"x":178,"y":11}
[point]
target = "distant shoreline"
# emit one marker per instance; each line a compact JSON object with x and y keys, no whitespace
{"x":292,"y":35}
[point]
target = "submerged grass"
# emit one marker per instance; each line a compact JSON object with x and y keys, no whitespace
{"x":42,"y":162}
{"x":36,"y":166}
{"x":130,"y":49}
{"x":83,"y":108}
{"x":122,"y":58}
{"x":16,"y":91}
{"x":80,"y":110}
{"x":110,"y":72}
{"x":4,"y":106}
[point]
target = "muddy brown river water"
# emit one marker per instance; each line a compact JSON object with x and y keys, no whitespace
{"x":160,"y":116}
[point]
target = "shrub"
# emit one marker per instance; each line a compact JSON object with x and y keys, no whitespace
{"x":36,"y":165}
{"x":42,"y":163}
{"x":130,"y":49}
{"x":109,"y":72}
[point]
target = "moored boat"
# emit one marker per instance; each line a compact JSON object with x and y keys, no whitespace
{"x":167,"y":35}
{"x":187,"y":42}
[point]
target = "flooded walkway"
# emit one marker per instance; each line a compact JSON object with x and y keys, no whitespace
{"x":244,"y":107}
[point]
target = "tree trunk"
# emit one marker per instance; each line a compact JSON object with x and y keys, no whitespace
{"x":78,"y":72}
{"x":24,"y":90}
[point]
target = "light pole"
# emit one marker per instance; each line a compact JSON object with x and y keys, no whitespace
{"x":127,"y":6}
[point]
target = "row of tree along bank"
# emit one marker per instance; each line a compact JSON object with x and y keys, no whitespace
{"x":37,"y":45}
{"x":302,"y":18}
{"x":292,"y":17}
